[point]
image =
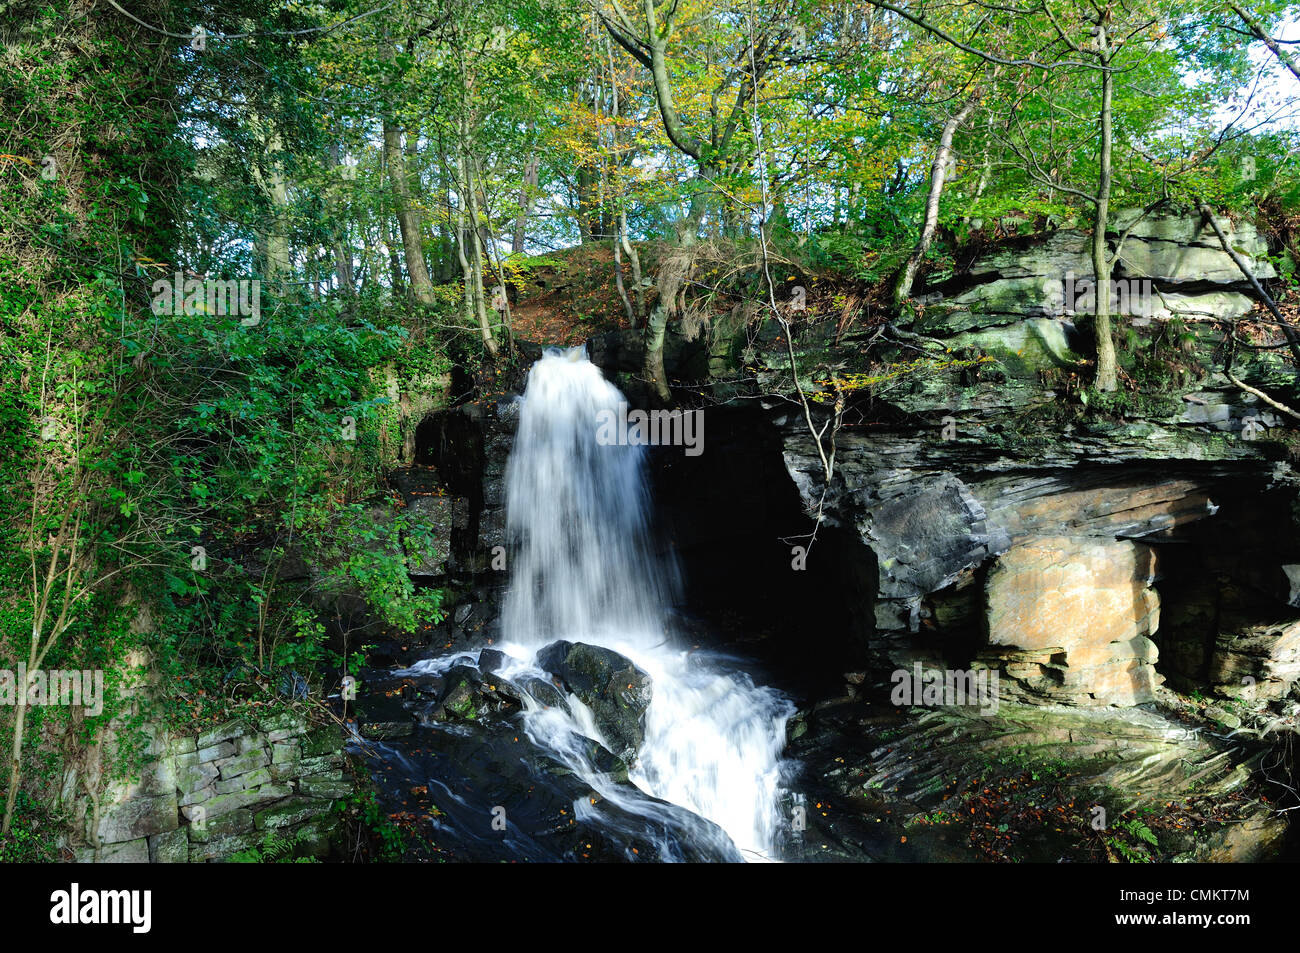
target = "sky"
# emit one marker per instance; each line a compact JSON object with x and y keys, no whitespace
{"x":1278,"y":83}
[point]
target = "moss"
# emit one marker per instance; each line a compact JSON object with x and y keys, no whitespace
{"x":1036,"y":429}
{"x":1014,"y":365}
{"x":465,"y":708}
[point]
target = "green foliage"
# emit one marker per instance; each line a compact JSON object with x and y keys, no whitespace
{"x":267,"y":450}
{"x":364,"y":812}
{"x":276,"y":848}
{"x":520,"y":267}
{"x":868,"y":258}
{"x":34,"y":835}
{"x":364,"y":551}
{"x":286,"y":408}
{"x":226,"y":480}
{"x":848,"y":383}
{"x":159,"y":434}
{"x":1133,"y":840}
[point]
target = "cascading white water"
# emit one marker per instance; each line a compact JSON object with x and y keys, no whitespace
{"x":580,"y":568}
{"x":583,"y":569}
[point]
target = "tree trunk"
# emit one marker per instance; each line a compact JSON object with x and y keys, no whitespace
{"x":467,"y":273}
{"x":493,"y":256}
{"x":634,"y":260}
{"x":342,"y":248}
{"x":1288,"y":332}
{"x":525,"y":201}
{"x":986,"y":172}
{"x":618,"y":275}
{"x":1287,"y":60}
{"x":408,"y":217}
{"x":587,"y":225}
{"x":394,"y":261}
{"x":1107,"y":378}
{"x":277,"y":266}
{"x":471,"y":256}
{"x":343,"y":269}
{"x":15,"y":759}
{"x":938,"y":173}
{"x":673,"y":272}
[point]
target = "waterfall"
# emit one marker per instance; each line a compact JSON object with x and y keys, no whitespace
{"x":582,"y":568}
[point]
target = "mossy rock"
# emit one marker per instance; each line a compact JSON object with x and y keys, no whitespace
{"x":290,"y":813}
{"x":322,"y":741}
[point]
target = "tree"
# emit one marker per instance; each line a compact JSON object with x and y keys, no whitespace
{"x":706,"y":136}
{"x":1065,"y":61}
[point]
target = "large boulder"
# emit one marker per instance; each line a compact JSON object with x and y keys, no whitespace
{"x":469,"y":694}
{"x":1078,"y":613}
{"x":1185,"y":248}
{"x":1189,"y":274}
{"x":927,"y":533}
{"x":616,"y":691}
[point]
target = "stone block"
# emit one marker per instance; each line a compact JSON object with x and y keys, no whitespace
{"x":238,"y":821}
{"x":137,"y":818}
{"x":173,"y":847}
{"x":324,"y":788}
{"x":225,"y":732}
{"x":225,"y":749}
{"x":290,"y":813}
{"x":241,"y":764}
{"x":127,"y":852}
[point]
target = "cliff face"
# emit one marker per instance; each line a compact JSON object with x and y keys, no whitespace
{"x":1085,"y":553}
{"x":1116,"y":577}
{"x":1081,"y":555}
{"x":986,"y":512}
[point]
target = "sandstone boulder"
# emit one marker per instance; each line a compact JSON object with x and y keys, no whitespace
{"x":1077,"y":613}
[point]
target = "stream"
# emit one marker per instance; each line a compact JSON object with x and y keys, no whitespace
{"x":557,"y":773}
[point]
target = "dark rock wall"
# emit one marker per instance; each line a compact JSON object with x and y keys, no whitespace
{"x":978,"y":517}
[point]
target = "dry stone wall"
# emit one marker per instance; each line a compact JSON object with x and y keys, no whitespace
{"x":208,"y":796}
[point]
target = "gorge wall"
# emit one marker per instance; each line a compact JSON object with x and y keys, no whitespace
{"x":1126,"y":564}
{"x":985,"y":516}
{"x":1085,"y":553}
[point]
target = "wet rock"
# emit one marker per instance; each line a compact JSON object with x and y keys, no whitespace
{"x":607,"y":763}
{"x":597,"y":755}
{"x":381,"y":717}
{"x":616,"y":691}
{"x":541,"y":691}
{"x":469,"y":444}
{"x":408,"y":686}
{"x":461,"y":695}
{"x":469,"y":694}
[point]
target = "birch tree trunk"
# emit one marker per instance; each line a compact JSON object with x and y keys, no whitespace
{"x":938,"y":174}
{"x":1107,"y":378}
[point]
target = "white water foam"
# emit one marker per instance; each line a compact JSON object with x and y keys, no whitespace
{"x":583,"y":569}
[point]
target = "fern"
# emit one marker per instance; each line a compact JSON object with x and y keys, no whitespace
{"x":275,"y":849}
{"x":1141,"y":831}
